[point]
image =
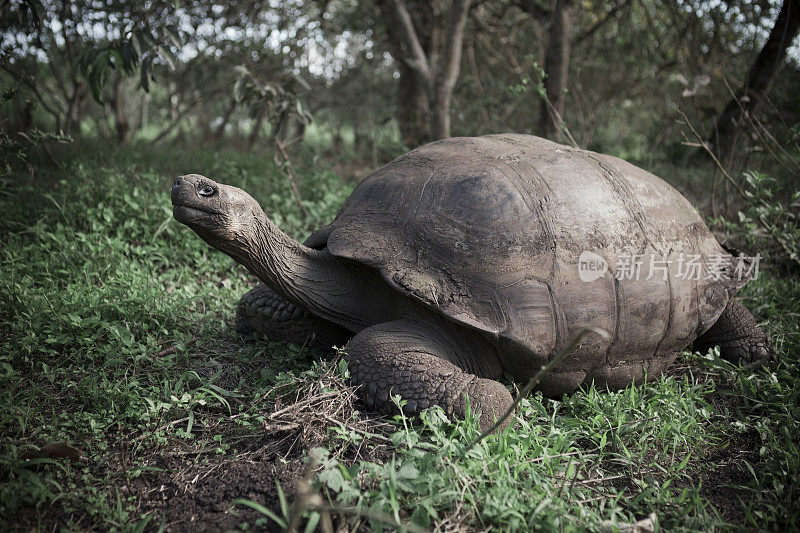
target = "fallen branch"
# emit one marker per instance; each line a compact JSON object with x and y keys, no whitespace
{"x":172,"y":349}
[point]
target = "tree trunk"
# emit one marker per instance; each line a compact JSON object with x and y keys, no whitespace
{"x":204,"y":124}
{"x":556,"y":66}
{"x":728,"y":125}
{"x":141,"y":117}
{"x":299,"y":131}
{"x":178,"y":116}
{"x":120,"y":117}
{"x":429,"y":68}
{"x":279,"y":129}
{"x":413,"y":106}
{"x":449,"y":70}
{"x":73,"y":116}
{"x":220,"y":131}
{"x":254,"y":133}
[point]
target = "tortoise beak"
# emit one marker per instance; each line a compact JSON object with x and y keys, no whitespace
{"x":187,"y":206}
{"x":183,"y":191}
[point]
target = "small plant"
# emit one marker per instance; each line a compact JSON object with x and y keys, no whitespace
{"x":764,"y":214}
{"x":779,"y":220}
{"x":766,"y":218}
{"x":18,"y":145}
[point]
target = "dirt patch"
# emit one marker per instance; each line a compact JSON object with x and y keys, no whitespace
{"x":191,"y":491}
{"x":194,"y":496}
{"x":185,"y":490}
{"x":185,"y":487}
{"x":726,"y":471}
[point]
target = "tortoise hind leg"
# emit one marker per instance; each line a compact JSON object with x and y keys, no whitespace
{"x":738,"y":336}
{"x":416,"y":361}
{"x":262,"y":310}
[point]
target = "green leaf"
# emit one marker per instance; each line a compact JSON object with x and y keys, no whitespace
{"x":174,"y":36}
{"x":313,"y":520}
{"x":128,"y":56}
{"x":408,"y":471}
{"x":97,"y":75}
{"x":149,"y":38}
{"x":162,"y":227}
{"x":139,"y":45}
{"x":115,"y":59}
{"x":282,"y":499}
{"x":78,"y":65}
{"x":239,"y":89}
{"x":143,"y":79}
{"x":333,"y":479}
{"x":421,"y":517}
{"x":167,"y":54}
{"x":263,"y":510}
{"x":303,"y":83}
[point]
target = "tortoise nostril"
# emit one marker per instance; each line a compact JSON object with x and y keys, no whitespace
{"x":176,"y":183}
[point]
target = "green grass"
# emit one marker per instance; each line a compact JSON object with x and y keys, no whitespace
{"x":115,"y":337}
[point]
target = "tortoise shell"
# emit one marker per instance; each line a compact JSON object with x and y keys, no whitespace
{"x":491,"y":231}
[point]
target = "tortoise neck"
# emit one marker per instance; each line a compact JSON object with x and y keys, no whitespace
{"x":316,"y":280}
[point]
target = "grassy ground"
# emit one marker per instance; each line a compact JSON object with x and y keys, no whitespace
{"x":116,"y":339}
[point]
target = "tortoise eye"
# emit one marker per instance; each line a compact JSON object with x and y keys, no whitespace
{"x":206,"y":190}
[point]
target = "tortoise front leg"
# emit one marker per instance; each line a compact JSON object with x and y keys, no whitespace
{"x":738,"y":336}
{"x":416,"y":361}
{"x":262,"y":310}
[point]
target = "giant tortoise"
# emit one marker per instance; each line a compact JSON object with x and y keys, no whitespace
{"x":468,"y":258}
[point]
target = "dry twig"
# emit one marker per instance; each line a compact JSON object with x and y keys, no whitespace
{"x":535,"y":381}
{"x":286,"y":169}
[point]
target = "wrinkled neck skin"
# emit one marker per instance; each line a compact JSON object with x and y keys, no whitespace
{"x":338,"y":290}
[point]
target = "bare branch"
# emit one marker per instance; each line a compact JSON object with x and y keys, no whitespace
{"x":600,"y":23}
{"x":25,"y":80}
{"x":772,"y":230}
{"x":176,"y":120}
{"x":453,"y":41}
{"x":417,"y":60}
{"x":289,"y":175}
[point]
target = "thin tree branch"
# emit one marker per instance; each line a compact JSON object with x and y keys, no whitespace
{"x":178,"y":117}
{"x":454,"y":40}
{"x":600,"y":23}
{"x":418,"y":61}
{"x":290,"y":176}
{"x":22,"y":78}
{"x":772,"y":230}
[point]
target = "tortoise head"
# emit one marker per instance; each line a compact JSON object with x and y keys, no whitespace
{"x":224,"y":216}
